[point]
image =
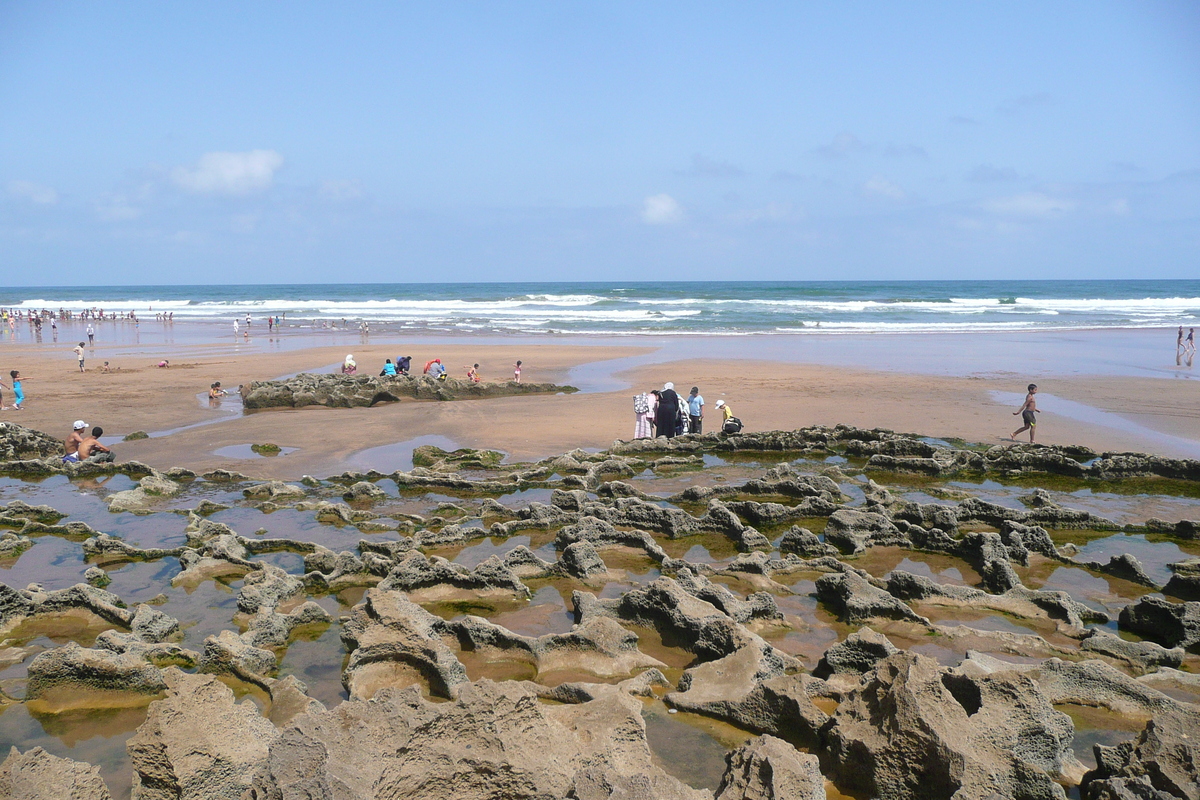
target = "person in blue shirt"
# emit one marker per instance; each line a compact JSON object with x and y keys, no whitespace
{"x":389,"y":368}
{"x":695,"y":404}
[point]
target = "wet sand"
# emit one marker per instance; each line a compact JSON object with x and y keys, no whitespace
{"x":1120,"y":412}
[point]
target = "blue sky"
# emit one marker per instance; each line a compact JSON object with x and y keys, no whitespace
{"x":304,"y":142}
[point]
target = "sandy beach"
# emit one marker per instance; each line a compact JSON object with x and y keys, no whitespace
{"x":1105,"y":412}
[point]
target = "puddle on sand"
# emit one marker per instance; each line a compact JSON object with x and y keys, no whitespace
{"x":1155,"y":556}
{"x":96,"y":736}
{"x":248,"y":451}
{"x":318,"y":662}
{"x":473,"y":555}
{"x":1099,"y":726}
{"x":546,"y":613}
{"x":397,"y":456}
{"x":689,"y":746}
{"x":882,"y":561}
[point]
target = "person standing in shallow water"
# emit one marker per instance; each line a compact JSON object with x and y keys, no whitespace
{"x":667,"y":416}
{"x":1028,"y":412}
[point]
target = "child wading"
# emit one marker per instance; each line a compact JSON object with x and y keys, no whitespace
{"x":1028,"y":412}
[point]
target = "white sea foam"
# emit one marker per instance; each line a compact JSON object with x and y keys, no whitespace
{"x":625,"y":312}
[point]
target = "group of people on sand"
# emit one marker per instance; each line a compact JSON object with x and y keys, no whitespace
{"x":83,"y":447}
{"x":434,"y":368}
{"x":663,"y":412}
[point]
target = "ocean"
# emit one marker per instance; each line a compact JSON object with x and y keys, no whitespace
{"x":683,"y":308}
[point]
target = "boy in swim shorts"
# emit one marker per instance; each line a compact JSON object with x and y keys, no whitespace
{"x":1028,"y":412}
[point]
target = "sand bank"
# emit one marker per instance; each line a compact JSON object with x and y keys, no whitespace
{"x":1120,"y":412}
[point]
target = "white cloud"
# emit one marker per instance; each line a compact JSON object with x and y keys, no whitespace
{"x":705,"y":167}
{"x":1120,"y":207}
{"x":33,"y":192}
{"x":341,"y":190}
{"x":879,"y":186}
{"x":116,"y":208}
{"x":772,"y":212}
{"x":986,"y":173}
{"x":844,"y":144}
{"x":661,"y":209}
{"x":1030,"y":204}
{"x":230,"y":173}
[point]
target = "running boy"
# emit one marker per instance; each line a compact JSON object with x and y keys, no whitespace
{"x":1028,"y":412}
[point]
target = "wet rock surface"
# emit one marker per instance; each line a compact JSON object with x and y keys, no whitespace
{"x":917,"y":621}
{"x":350,"y":391}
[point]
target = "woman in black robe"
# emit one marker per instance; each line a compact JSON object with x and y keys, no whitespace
{"x":668,"y":411}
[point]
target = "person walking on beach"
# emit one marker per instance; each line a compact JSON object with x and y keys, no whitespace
{"x":91,"y":333}
{"x":695,"y":404}
{"x":78,"y":350}
{"x":517,"y":372}
{"x":1028,"y":412}
{"x":667,"y":416}
{"x":1179,"y":339}
{"x":1190,"y":342}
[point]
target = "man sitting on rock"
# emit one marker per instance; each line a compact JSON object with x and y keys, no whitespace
{"x":91,"y":451}
{"x":72,"y":442}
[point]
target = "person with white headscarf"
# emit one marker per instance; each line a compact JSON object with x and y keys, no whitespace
{"x":667,"y":415}
{"x":349,"y":367}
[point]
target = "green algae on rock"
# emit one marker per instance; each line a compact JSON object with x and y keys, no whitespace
{"x":359,"y":391}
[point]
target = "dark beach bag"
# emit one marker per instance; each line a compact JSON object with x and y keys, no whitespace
{"x":732,"y":425}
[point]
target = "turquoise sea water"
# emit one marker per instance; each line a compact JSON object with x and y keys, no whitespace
{"x":712,"y":308}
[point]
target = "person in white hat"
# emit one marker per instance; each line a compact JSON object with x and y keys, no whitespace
{"x":72,"y":442}
{"x":726,"y":411}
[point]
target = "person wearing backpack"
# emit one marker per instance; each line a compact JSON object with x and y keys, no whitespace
{"x":641,"y":416}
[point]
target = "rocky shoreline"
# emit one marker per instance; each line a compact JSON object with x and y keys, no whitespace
{"x":730,"y":578}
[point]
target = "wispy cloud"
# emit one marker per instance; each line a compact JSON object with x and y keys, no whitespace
{"x":661,"y":209}
{"x":341,"y":190}
{"x":844,"y":144}
{"x":772,"y":212}
{"x":1030,"y":205}
{"x":117,"y":208}
{"x":33,"y":192}
{"x":1118,"y":207}
{"x":230,"y":173}
{"x":704,"y":167}
{"x":905,"y":150}
{"x":986,"y":173}
{"x":879,"y":186}
{"x":1025,"y":102}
